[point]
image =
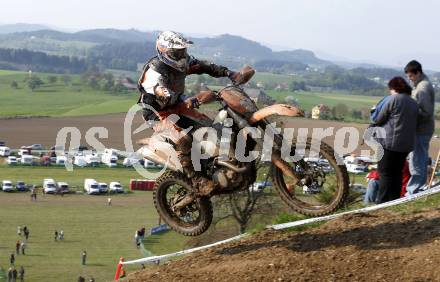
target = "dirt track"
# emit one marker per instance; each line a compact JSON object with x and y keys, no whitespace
{"x":18,"y":132}
{"x":377,"y":247}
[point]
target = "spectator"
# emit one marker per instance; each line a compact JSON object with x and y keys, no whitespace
{"x":136,"y":239}
{"x":372,"y":187}
{"x":56,"y":235}
{"x":397,"y":122}
{"x":26,"y":233}
{"x":61,"y":235}
{"x":92,"y":279}
{"x":423,"y":93}
{"x":12,"y":259}
{"x":84,"y":258}
{"x":19,"y":230}
{"x":10,"y":274}
{"x":14,"y":274}
{"x":81,"y":279}
{"x":17,"y":247}
{"x":21,"y":273}
{"x":109,"y":201}
{"x":22,"y":246}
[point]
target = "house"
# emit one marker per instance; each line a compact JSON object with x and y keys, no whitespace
{"x":259,"y":96}
{"x":320,"y":111}
{"x":128,"y":83}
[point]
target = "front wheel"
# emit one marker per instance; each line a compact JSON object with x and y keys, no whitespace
{"x":191,"y":219}
{"x":323,"y":184}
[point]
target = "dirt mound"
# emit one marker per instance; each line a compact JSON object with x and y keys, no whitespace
{"x":369,"y":247}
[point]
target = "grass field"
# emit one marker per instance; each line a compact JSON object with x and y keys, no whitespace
{"x":57,"y":99}
{"x":105,"y":232}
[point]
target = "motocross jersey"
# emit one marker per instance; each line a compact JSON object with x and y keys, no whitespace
{"x":162,"y":86}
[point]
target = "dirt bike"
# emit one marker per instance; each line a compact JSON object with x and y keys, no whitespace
{"x":310,"y":187}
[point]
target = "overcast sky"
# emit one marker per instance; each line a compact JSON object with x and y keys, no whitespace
{"x":381,"y":31}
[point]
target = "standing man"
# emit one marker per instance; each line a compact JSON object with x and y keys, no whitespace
{"x":423,"y":93}
{"x":21,"y":273}
{"x":83,"y":258}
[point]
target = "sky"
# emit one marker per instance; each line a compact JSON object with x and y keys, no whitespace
{"x":387,"y":32}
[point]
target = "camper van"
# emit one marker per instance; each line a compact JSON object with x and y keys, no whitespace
{"x":27,"y":159}
{"x":7,"y":186}
{"x":110,"y":157}
{"x":116,"y":187}
{"x":5,"y":151}
{"x":49,"y":186}
{"x":91,"y":186}
{"x":92,"y":159}
{"x":80,"y":161}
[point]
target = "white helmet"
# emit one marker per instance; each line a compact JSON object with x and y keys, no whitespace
{"x":171,"y":49}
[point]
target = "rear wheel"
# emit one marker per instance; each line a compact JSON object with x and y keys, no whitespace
{"x":323,"y":185}
{"x":193,"y":218}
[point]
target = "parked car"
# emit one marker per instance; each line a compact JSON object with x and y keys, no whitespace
{"x":116,"y":187}
{"x":7,"y":186}
{"x":21,"y":186}
{"x":63,"y":187}
{"x":12,"y":160}
{"x":2,"y":143}
{"x":103,"y":187}
{"x":5,"y":151}
{"x":49,"y":186}
{"x":60,"y":160}
{"x":91,"y":186}
{"x":258,"y":187}
{"x":150,"y":164}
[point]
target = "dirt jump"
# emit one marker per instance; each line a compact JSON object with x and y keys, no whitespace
{"x":381,"y":246}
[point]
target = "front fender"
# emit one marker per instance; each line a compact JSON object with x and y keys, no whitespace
{"x":278,"y":109}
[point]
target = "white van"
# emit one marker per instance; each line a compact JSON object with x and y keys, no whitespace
{"x":91,"y":186}
{"x":116,"y":187}
{"x":49,"y":186}
{"x":7,"y":186}
{"x":27,"y":159}
{"x":103,"y":187}
{"x":5,"y":151}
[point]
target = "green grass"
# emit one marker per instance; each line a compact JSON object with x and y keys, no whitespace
{"x":105,"y":232}
{"x":58,"y":99}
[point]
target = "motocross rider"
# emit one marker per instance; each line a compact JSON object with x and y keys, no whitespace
{"x":162,"y":84}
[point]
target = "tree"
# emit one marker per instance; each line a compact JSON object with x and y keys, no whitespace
{"x":14,"y":84}
{"x":339,"y":111}
{"x":52,"y":79}
{"x":34,"y":82}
